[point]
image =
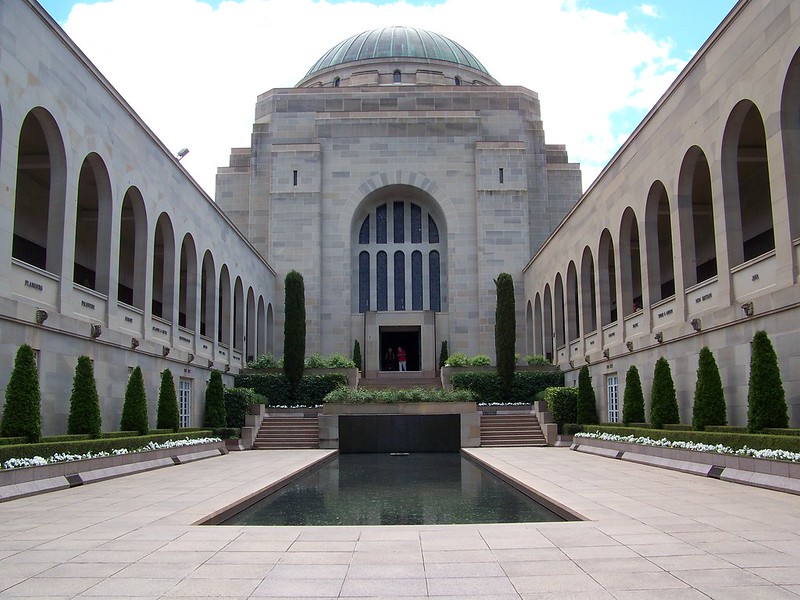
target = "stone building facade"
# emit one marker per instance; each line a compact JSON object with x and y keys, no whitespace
{"x":690,"y":236}
{"x":400,"y":179}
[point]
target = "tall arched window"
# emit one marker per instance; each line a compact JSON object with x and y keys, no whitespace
{"x":396,"y":76}
{"x":363,"y":280}
{"x":631,"y":264}
{"x":608,"y":280}
{"x":261,"y":327}
{"x":382,"y":281}
{"x":238,"y":314}
{"x":573,"y":323}
{"x":588,"y":292}
{"x":538,"y":326}
{"x":163,"y":269}
{"x":790,"y":130}
{"x":696,"y":219}
{"x":658,"y":240}
{"x":224,"y":312}
{"x":399,"y":280}
{"x":187,"y":296}
{"x":132,"y":250}
{"x":93,"y":226}
{"x":558,"y":307}
{"x":435,"y":281}
{"x":208,"y":284}
{"x":548,"y":323}
{"x":416,"y":280}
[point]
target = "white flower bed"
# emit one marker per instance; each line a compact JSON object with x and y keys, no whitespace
{"x":38,"y":461}
{"x":697,"y":446}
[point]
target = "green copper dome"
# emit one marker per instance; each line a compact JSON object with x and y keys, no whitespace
{"x":390,"y":42}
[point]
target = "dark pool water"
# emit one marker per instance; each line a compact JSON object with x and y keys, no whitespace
{"x":380,"y":489}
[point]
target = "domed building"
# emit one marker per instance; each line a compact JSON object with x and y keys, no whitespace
{"x":400,"y":178}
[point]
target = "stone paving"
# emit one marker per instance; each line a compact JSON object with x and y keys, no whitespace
{"x":650,"y":533}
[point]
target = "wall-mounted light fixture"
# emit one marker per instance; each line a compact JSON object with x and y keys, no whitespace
{"x":165,"y":351}
{"x":696,"y":324}
{"x":190,"y":358}
{"x":606,"y":353}
{"x":134,"y":343}
{"x":41,"y":316}
{"x":96,"y":331}
{"x":659,"y":337}
{"x":181,"y":153}
{"x":629,"y":345}
{"x":748,"y":309}
{"x":227,"y":368}
{"x":210,"y":363}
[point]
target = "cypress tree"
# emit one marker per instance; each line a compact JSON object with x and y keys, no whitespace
{"x":709,"y":399}
{"x":766,"y":399}
{"x":294,"y":331}
{"x":505,"y":332}
{"x":216,"y":416}
{"x":22,"y":410}
{"x":357,"y":354}
{"x":663,"y":400}
{"x":84,"y":404}
{"x":633,"y":399}
{"x":443,"y":354}
{"x":168,"y":414}
{"x":587,"y":405}
{"x":134,"y":411}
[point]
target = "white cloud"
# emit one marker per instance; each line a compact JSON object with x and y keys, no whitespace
{"x":649,"y":10}
{"x":193,"y":72}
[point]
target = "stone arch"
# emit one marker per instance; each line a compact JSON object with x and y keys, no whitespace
{"x":630,"y":263}
{"x":250,"y":327}
{"x":608,"y":280}
{"x":40,"y":198}
{"x":187,"y":294}
{"x":163,"y":292}
{"x":270,"y":329}
{"x":558,"y":310}
{"x":790,"y":131}
{"x":572,"y":300}
{"x":548,"y":323}
{"x":538,"y":325}
{"x":658,"y":244}
{"x":132,"y":263}
{"x":696,"y":219}
{"x":588,"y":292}
{"x":208,"y":296}
{"x":529,"y":335}
{"x":224,"y":312}
{"x":745,"y":185}
{"x":261,"y":328}
{"x":92,"y":257}
{"x":238,"y":314}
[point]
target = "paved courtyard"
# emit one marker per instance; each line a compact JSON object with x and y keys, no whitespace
{"x":650,"y":533}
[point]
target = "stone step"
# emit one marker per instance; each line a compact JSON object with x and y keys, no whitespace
{"x":511,"y":430}
{"x":288,"y":433}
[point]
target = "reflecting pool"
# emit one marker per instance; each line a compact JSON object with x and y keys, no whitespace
{"x":383,"y":489}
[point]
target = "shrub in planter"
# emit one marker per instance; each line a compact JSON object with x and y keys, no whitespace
{"x":357,"y":354}
{"x":480,"y":360}
{"x":265,"y":361}
{"x":215,"y":402}
{"x":84,"y":404}
{"x":536,"y":359}
{"x":443,"y":354}
{"x":529,"y":384}
{"x":505,"y":332}
{"x":587,"y":404}
{"x":562,"y":402}
{"x":663,"y":400}
{"x":274,"y":387}
{"x":237,"y":404}
{"x":633,"y":399}
{"x":459,"y":359}
{"x":573,"y":428}
{"x":709,"y":398}
{"x":486,"y":385}
{"x":168,"y":413}
{"x":294,"y":331}
{"x":134,"y":410}
{"x":766,"y":399}
{"x":22,"y":410}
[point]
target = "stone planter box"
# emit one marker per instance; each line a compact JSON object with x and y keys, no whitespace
{"x":772,"y":474}
{"x":26,"y":481}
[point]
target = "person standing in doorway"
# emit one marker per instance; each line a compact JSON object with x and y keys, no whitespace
{"x":401,"y":358}
{"x":389,"y":361}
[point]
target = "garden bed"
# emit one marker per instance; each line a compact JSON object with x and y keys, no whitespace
{"x":27,"y":481}
{"x":759,"y":472}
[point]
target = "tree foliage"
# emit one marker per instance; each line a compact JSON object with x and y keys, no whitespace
{"x":587,"y":404}
{"x":505,"y":332}
{"x":168,"y":412}
{"x":134,"y":410}
{"x":22,"y":410}
{"x":215,"y":402}
{"x":633,"y":399}
{"x":357,"y":354}
{"x":294,"y":331}
{"x":663,"y":400}
{"x":84,"y":404}
{"x":709,"y":398}
{"x":443,"y":354}
{"x":766,"y":399}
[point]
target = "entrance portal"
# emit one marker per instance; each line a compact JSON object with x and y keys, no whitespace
{"x":407,"y":338}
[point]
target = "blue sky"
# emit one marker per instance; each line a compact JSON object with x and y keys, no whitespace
{"x":597,"y":65}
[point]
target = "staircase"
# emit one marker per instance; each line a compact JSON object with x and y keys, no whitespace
{"x":511,"y":430}
{"x":287,"y":433}
{"x":401,"y":380}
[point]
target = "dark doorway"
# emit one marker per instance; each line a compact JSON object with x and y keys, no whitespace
{"x":400,"y":337}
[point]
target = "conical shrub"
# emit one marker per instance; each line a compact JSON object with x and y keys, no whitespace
{"x":215,"y":402}
{"x":766,"y":399}
{"x":357,"y":354}
{"x":587,"y":404}
{"x":709,"y":399}
{"x":663,"y":400}
{"x":84,"y":404}
{"x":443,"y":354}
{"x":294,"y":331}
{"x":134,"y":411}
{"x":22,"y":415}
{"x":505,"y":332}
{"x":633,"y":399}
{"x":168,"y":416}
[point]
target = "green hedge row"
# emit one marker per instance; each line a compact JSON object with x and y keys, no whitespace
{"x":237,"y":405}
{"x":489,"y":390}
{"x":772,"y":431}
{"x":347,"y":396}
{"x":275,"y":387}
{"x":757,"y":441}
{"x":47,"y":449}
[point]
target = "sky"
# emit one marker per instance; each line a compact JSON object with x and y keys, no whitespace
{"x":192,"y":69}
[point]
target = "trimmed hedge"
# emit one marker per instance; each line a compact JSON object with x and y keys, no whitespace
{"x":562,"y":403}
{"x":678,"y":427}
{"x":237,"y":405}
{"x":6,"y":441}
{"x":47,"y":449}
{"x":489,"y":390}
{"x":757,"y":441}
{"x":346,"y":395}
{"x":726,"y":428}
{"x":275,"y":387}
{"x":781,"y":431}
